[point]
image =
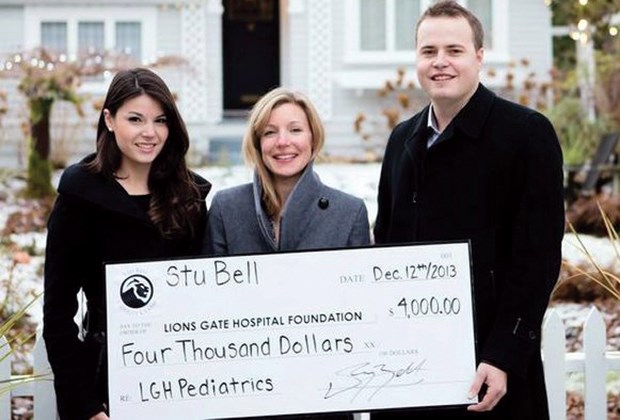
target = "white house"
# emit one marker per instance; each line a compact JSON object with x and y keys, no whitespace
{"x":337,"y":51}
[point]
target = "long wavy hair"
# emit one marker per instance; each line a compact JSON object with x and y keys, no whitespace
{"x":175,"y":197}
{"x":259,"y":117}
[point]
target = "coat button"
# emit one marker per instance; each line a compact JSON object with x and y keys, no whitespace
{"x":532,"y":335}
{"x":323,"y":203}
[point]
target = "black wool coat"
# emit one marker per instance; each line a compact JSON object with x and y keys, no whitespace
{"x":494,"y":177}
{"x":93,"y":221}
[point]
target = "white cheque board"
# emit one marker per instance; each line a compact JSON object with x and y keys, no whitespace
{"x":303,"y":332}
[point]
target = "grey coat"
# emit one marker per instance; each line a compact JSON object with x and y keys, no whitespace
{"x":314,"y":216}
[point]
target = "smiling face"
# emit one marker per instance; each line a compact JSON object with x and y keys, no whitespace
{"x":286,"y":143}
{"x":448,"y":63}
{"x":140,"y":131}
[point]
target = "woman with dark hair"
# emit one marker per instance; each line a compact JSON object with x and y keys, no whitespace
{"x":133,"y":199}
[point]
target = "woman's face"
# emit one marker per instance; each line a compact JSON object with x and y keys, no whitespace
{"x":286,"y":142}
{"x":140,"y":129}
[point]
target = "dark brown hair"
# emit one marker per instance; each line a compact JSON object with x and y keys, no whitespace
{"x":450,"y":8}
{"x":175,"y":197}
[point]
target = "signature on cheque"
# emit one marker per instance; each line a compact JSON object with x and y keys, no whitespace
{"x":356,"y":379}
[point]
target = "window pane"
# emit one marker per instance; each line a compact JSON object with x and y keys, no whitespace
{"x":54,"y":36}
{"x":90,"y":37}
{"x":407,"y":14}
{"x":372,"y":25}
{"x":483,"y":9}
{"x":129,"y":39}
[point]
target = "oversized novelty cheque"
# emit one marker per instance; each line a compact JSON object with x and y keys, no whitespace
{"x":288,"y":333}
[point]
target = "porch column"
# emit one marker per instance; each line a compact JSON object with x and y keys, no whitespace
{"x":201,"y":45}
{"x":320,"y":84}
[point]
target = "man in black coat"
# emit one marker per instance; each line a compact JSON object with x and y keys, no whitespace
{"x":474,"y":166}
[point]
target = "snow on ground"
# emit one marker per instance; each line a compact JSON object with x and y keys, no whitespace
{"x":357,"y":179}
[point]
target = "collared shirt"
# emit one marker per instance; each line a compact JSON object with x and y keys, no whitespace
{"x":432,"y":125}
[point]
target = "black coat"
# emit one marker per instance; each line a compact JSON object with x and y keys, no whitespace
{"x":494,"y":176}
{"x":93,"y":221}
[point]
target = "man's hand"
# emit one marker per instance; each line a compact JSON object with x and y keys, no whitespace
{"x":100,"y":416}
{"x":496,"y":382}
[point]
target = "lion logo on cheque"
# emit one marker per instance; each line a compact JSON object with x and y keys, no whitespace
{"x":136,"y":291}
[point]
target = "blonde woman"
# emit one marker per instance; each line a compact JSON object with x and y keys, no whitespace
{"x":286,"y":207}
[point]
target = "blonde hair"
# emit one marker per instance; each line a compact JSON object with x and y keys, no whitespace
{"x":259,"y":117}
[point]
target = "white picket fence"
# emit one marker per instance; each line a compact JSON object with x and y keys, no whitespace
{"x":594,"y":362}
{"x":39,"y":385}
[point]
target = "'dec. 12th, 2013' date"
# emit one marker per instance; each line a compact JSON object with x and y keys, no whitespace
{"x":422,"y":271}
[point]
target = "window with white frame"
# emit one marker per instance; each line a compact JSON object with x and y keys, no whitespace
{"x":54,"y":36}
{"x":384,"y":29}
{"x":386,"y":25}
{"x":79,"y":30}
{"x":129,"y":39}
{"x":483,"y":9}
{"x":90,"y":38}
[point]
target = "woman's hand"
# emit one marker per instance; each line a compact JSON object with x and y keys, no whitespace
{"x":100,"y":416}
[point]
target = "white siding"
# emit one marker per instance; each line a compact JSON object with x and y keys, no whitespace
{"x":530,"y":35}
{"x":169,"y":30}
{"x":72,"y":136}
{"x":349,"y":101}
{"x":12,"y":144}
{"x":12,"y":33}
{"x":296,"y":38}
{"x":351,"y":85}
{"x":169,"y":43}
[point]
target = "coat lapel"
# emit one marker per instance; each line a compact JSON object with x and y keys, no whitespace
{"x":100,"y":191}
{"x":472,"y":118}
{"x":297,"y":213}
{"x":300,"y":209}
{"x":264,"y":221}
{"x":410,"y":169}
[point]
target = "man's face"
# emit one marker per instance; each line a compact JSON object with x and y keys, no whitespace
{"x":448,"y":63}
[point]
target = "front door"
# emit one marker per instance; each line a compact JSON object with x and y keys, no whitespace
{"x":251,"y":52}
